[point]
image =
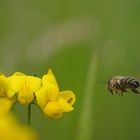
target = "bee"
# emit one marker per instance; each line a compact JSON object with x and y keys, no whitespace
{"x":121,"y":84}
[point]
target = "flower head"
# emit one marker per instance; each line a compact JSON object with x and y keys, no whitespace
{"x":51,"y":100}
{"x":23,"y":86}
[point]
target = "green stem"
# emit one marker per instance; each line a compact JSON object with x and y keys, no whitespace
{"x":29,"y":114}
{"x":86,"y":119}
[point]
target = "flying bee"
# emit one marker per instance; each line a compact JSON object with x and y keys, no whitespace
{"x":121,"y":84}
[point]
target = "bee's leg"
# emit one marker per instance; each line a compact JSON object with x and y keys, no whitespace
{"x":134,"y":90}
{"x":122,"y":91}
{"x":116,"y":90}
{"x":118,"y":93}
{"x":111,"y":92}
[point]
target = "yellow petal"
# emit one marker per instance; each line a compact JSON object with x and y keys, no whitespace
{"x":25,"y":96}
{"x":64,"y":105}
{"x":2,"y":76}
{"x":49,"y":78}
{"x":50,"y":71}
{"x":3,"y":85}
{"x":41,"y":97}
{"x":52,"y":92}
{"x":18,"y":74}
{"x":15,"y":83}
{"x":53,"y":110}
{"x":6,"y":104}
{"x":68,"y":96}
{"x":26,"y":133}
{"x":33,"y":82}
{"x":10,"y":93}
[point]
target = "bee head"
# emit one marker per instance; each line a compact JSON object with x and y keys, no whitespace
{"x":110,"y":85}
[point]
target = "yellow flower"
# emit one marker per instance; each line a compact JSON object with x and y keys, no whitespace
{"x":11,"y":129}
{"x":3,"y":85}
{"x":23,"y":86}
{"x":6,"y":104}
{"x":51,"y":100}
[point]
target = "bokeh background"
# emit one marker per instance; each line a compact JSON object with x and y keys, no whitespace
{"x":85,"y":43}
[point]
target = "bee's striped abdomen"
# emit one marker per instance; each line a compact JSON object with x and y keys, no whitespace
{"x":129,"y":82}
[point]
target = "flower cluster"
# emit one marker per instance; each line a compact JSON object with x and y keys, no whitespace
{"x":30,"y":89}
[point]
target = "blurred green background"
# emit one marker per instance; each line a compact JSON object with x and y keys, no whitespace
{"x":85,"y":43}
